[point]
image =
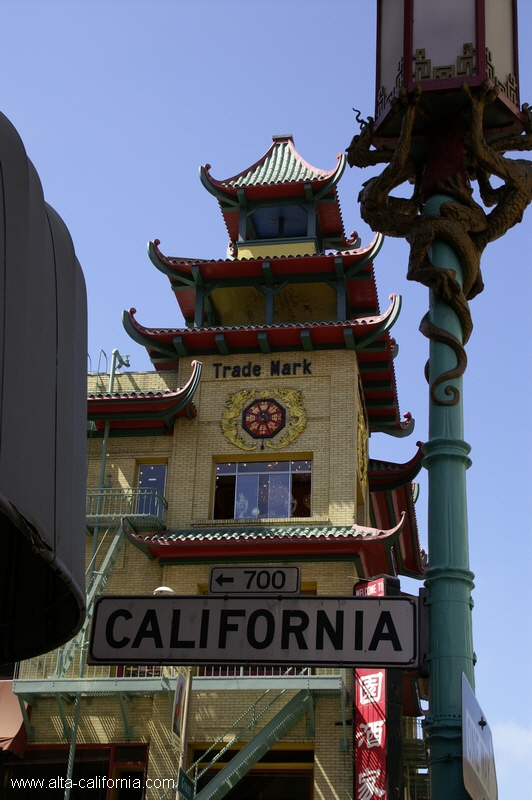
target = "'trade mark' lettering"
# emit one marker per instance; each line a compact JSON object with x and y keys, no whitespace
{"x":250,"y":370}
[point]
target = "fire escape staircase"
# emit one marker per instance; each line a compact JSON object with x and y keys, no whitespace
{"x":96,"y":586}
{"x":63,"y":673}
{"x":274,"y":730}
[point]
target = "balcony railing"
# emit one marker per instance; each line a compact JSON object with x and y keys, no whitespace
{"x":108,"y":505}
{"x":49,"y":665}
{"x":251,"y":671}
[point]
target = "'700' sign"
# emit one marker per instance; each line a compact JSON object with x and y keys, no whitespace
{"x":326,"y":631}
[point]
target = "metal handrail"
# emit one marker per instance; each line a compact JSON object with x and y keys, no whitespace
{"x":112,"y":503}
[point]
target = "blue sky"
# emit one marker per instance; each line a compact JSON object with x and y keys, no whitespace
{"x":119,"y":102}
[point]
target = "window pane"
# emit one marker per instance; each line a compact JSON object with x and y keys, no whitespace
{"x":226,"y":469}
{"x":246,"y":500}
{"x":264,"y":466}
{"x":224,"y":497}
{"x":301,"y":499}
{"x":152,"y":479}
{"x":279,"y":505}
{"x":263,"y":489}
{"x":302,"y":466}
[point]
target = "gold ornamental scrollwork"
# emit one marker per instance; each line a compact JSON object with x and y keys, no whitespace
{"x":362,"y":450}
{"x":290,"y":398}
{"x":233,"y":409}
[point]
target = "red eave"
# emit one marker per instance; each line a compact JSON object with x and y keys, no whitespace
{"x":212,"y":269}
{"x":392,"y":498}
{"x":281,"y":334}
{"x":133,"y":410}
{"x":372,"y":550}
{"x":362,"y":291}
{"x":386,"y":475}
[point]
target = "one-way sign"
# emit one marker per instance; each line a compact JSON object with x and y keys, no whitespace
{"x":255,"y":580}
{"x":328,"y":631}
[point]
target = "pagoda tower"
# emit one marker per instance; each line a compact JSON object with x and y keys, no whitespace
{"x":293,"y":281}
{"x":298,"y":372}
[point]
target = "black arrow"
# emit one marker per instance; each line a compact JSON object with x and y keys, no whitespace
{"x":220,"y":580}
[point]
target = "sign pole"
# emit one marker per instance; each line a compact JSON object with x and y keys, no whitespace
{"x":183,"y":760}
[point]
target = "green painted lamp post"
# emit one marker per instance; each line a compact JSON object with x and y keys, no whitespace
{"x":449,"y":581}
{"x":447,"y":106}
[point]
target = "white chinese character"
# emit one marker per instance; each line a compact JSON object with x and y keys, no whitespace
{"x":370,"y":688}
{"x":368,"y":780}
{"x":371,"y":734}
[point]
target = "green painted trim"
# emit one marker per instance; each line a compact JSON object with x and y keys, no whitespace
{"x":128,"y":728}
{"x":386,"y":326}
{"x":221,"y":343}
{"x":376,"y":347}
{"x":166,"y":270}
{"x":376,"y":385}
{"x":249,"y":242}
{"x":370,"y":256}
{"x":264,"y":343}
{"x":222,"y":196}
{"x":178,"y":282}
{"x":333,"y":181}
{"x":180,"y":346}
{"x":67,"y":729}
{"x":349,"y":338}
{"x":306,"y":340}
{"x":145,"y":341}
{"x":131,"y":538}
{"x":30,"y":690}
{"x":355,"y":559}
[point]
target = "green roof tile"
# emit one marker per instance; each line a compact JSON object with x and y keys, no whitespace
{"x":280,"y":164}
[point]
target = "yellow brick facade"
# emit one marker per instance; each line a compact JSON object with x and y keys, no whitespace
{"x":328,"y":382}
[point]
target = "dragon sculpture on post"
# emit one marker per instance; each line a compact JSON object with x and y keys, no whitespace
{"x":463,"y":223}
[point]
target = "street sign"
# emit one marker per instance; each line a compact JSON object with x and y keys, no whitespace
{"x":254,"y":580}
{"x":185,"y":786}
{"x":328,"y":631}
{"x":480,"y":778}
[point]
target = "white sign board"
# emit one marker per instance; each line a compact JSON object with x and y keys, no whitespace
{"x":254,"y":580}
{"x":480,"y":778}
{"x":327,"y":631}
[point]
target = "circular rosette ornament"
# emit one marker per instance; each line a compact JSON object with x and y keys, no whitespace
{"x":262,"y":416}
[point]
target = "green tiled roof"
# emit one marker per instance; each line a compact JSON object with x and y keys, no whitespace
{"x":280,"y":164}
{"x":263,"y":533}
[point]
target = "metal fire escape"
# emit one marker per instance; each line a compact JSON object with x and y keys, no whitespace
{"x":254,"y":750}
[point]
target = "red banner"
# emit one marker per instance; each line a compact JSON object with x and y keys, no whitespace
{"x":370,"y":720}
